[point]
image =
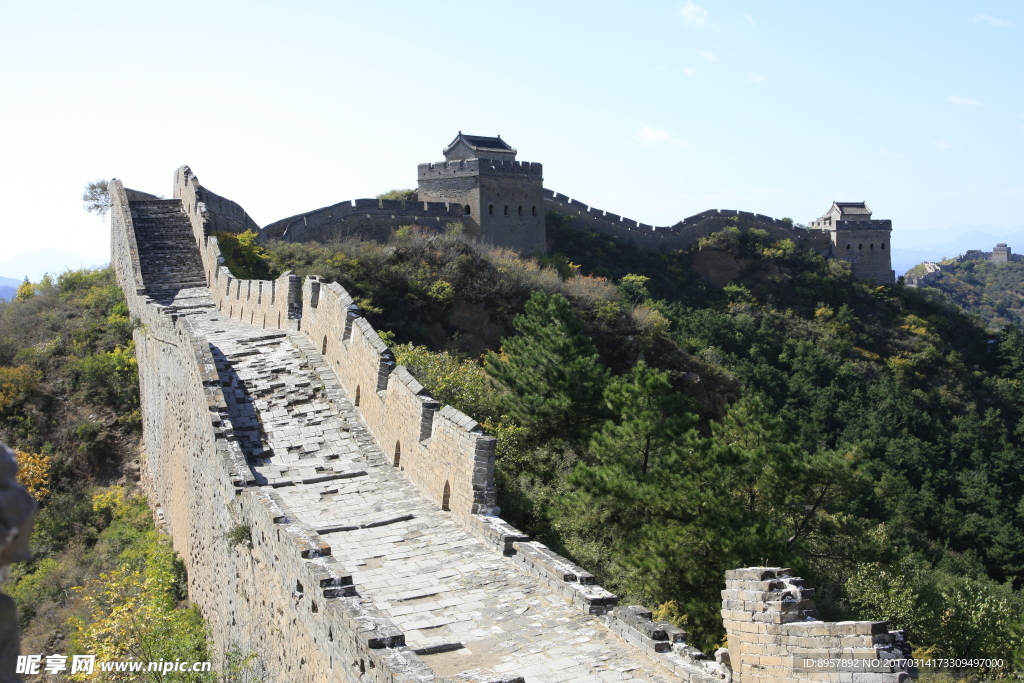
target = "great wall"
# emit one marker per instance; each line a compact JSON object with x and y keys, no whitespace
{"x":503,"y":202}
{"x":340,"y":523}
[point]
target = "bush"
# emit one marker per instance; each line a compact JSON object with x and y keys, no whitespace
{"x":244,"y":256}
{"x":16,"y":384}
{"x":34,"y":473}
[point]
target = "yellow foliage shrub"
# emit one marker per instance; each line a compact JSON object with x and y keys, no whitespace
{"x":16,"y":384}
{"x":34,"y":473}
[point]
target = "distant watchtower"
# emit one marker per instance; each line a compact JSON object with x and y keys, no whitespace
{"x":1001,"y":254}
{"x":858,"y":240}
{"x":503,"y":198}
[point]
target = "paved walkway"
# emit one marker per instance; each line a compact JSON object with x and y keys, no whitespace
{"x":464,"y":607}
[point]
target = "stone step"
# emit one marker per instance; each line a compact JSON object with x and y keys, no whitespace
{"x":168,"y":254}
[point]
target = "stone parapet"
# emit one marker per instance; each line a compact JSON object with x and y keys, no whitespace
{"x":457,"y":167}
{"x":365,"y":218}
{"x":681,"y":234}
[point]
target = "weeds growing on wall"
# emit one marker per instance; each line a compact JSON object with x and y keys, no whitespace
{"x":660,"y":429}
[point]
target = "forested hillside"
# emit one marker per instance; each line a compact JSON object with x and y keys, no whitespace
{"x":661,"y":429}
{"x":992,"y":291}
{"x":103,"y":580}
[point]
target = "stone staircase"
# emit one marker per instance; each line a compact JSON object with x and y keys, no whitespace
{"x":168,"y":253}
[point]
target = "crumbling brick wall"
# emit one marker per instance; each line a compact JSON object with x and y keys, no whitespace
{"x":775,"y":636}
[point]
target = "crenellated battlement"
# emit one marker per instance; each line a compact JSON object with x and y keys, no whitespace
{"x":885,"y":224}
{"x":681,"y":234}
{"x":370,"y":218}
{"x":469,"y":167}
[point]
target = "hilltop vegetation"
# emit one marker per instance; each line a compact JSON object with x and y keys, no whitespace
{"x":992,"y":291}
{"x":102,"y":581}
{"x":660,"y":429}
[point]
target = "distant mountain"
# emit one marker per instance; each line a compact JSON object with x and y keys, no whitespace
{"x":8,"y":288}
{"x":35,"y":264}
{"x":910,"y":247}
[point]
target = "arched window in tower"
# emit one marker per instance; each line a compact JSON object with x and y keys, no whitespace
{"x":860,"y":246}
{"x":871,"y":246}
{"x":446,"y":499}
{"x":535,"y":211}
{"x":847,"y":247}
{"x":506,"y":209}
{"x":520,"y":210}
{"x":882,"y":246}
{"x":467,"y":210}
{"x":490,"y":209}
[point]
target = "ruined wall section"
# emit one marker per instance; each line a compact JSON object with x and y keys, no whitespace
{"x":685,"y":232}
{"x":442,"y":450}
{"x":774,"y":635}
{"x":285,"y":578}
{"x":370,"y":219}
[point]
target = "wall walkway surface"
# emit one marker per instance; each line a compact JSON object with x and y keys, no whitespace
{"x":334,"y":518}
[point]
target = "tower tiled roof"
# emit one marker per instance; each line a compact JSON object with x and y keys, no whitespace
{"x":481,"y":143}
{"x":853,"y":208}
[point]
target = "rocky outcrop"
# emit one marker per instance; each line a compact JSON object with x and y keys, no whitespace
{"x":17,"y":514}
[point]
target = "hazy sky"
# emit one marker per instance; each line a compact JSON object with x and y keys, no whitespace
{"x":652,"y":110}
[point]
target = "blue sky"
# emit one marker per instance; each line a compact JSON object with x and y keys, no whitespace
{"x":652,"y":110}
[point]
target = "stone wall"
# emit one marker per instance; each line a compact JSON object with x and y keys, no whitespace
{"x":124,"y":251}
{"x":372,"y":219}
{"x":271,"y":304}
{"x":221,"y":215}
{"x":276,"y":588}
{"x":683,"y":233}
{"x":284,"y":580}
{"x":932,"y":271}
{"x":865,"y":246}
{"x":504,"y":197}
{"x":442,"y":450}
{"x":774,"y":635}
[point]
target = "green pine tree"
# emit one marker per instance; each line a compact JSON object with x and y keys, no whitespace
{"x":552,"y":372}
{"x":651,"y":420}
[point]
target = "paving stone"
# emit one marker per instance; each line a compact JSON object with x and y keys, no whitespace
{"x":393,"y":540}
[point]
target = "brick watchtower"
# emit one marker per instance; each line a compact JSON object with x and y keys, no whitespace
{"x":860,"y":241}
{"x":503,"y":198}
